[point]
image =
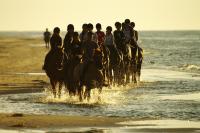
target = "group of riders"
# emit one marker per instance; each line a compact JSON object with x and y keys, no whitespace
{"x":93,"y":59}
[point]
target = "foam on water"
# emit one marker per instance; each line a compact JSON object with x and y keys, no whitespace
{"x":190,"y":96}
{"x":162,"y":124}
{"x":108,"y":96}
{"x":190,"y":67}
{"x":167,"y":75}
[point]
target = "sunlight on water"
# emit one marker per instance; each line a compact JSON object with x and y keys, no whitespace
{"x":166,"y":75}
{"x":107,"y":96}
{"x":190,"y":96}
{"x":162,"y":124}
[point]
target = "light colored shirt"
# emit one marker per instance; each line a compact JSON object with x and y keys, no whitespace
{"x":109,"y":39}
{"x":83,"y":36}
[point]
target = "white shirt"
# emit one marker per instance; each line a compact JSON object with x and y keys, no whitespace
{"x":109,"y":40}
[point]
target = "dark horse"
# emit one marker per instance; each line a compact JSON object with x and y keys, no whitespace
{"x":53,"y":67}
{"x":69,"y":81}
{"x":126,"y":62}
{"x":115,"y":62}
{"x":105,"y":61}
{"x":92,"y":78}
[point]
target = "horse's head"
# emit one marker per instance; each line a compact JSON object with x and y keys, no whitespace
{"x":98,"y":58}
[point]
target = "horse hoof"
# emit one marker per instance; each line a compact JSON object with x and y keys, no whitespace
{"x":105,"y":84}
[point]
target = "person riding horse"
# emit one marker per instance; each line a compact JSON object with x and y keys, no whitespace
{"x":53,"y":64}
{"x":56,"y":45}
{"x":89,"y":47}
{"x":119,"y":37}
{"x":68,"y":39}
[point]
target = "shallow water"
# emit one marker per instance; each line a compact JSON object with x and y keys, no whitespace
{"x":170,"y":87}
{"x":162,"y":95}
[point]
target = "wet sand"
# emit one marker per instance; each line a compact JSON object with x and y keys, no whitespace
{"x":12,"y":123}
{"x":18,"y":56}
{"x":45,"y":121}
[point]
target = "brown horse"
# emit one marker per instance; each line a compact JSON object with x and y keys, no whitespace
{"x":69,"y":81}
{"x":53,"y":67}
{"x":105,"y":61}
{"x":92,"y":78}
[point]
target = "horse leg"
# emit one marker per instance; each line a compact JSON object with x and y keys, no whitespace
{"x":53,"y":85}
{"x":100,"y":91}
{"x":88,"y":95}
{"x":60,"y":88}
{"x":80,"y":91}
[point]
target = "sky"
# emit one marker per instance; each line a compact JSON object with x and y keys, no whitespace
{"x":36,"y":15}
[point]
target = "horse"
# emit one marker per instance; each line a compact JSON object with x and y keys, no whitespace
{"x":105,"y":61}
{"x":53,"y":67}
{"x":115,"y":62}
{"x":133,"y":67}
{"x":69,"y":81}
{"x":127,"y":62}
{"x":92,"y":77}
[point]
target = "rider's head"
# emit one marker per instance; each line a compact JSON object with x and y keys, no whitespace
{"x":85,"y":27}
{"x":70,"y":28}
{"x":127,"y":21}
{"x":98,"y":26}
{"x":56,"y":30}
{"x":46,"y":29}
{"x":118,"y":25}
{"x":90,"y":27}
{"x":132,"y":24}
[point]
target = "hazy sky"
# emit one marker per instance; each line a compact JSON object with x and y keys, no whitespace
{"x":148,"y":14}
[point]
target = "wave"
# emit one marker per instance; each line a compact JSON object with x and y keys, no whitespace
{"x":190,"y":67}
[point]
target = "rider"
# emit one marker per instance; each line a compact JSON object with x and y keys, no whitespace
{"x":128,"y":31}
{"x":135,"y":32}
{"x":56,"y":40}
{"x":90,"y":29}
{"x":47,"y":36}
{"x":119,"y":36}
{"x":89,"y":47}
{"x":109,"y":39}
{"x":100,"y":35}
{"x":83,"y":34}
{"x":68,"y":39}
{"x":76,"y":45}
{"x":56,"y":46}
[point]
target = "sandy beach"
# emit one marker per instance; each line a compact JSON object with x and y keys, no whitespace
{"x":17,"y":57}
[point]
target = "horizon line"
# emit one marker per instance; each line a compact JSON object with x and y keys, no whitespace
{"x":102,"y":30}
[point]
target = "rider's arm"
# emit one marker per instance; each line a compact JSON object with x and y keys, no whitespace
{"x":136,"y":35}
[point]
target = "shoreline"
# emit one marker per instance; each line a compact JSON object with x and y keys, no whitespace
{"x":13,"y":123}
{"x":19,"y":120}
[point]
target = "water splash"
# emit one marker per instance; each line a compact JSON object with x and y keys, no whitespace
{"x":107,"y":96}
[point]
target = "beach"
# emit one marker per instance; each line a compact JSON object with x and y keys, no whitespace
{"x":168,"y":94}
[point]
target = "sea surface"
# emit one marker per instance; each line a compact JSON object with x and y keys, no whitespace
{"x":169,"y":87}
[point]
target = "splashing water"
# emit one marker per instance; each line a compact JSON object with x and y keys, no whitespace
{"x":107,"y":96}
